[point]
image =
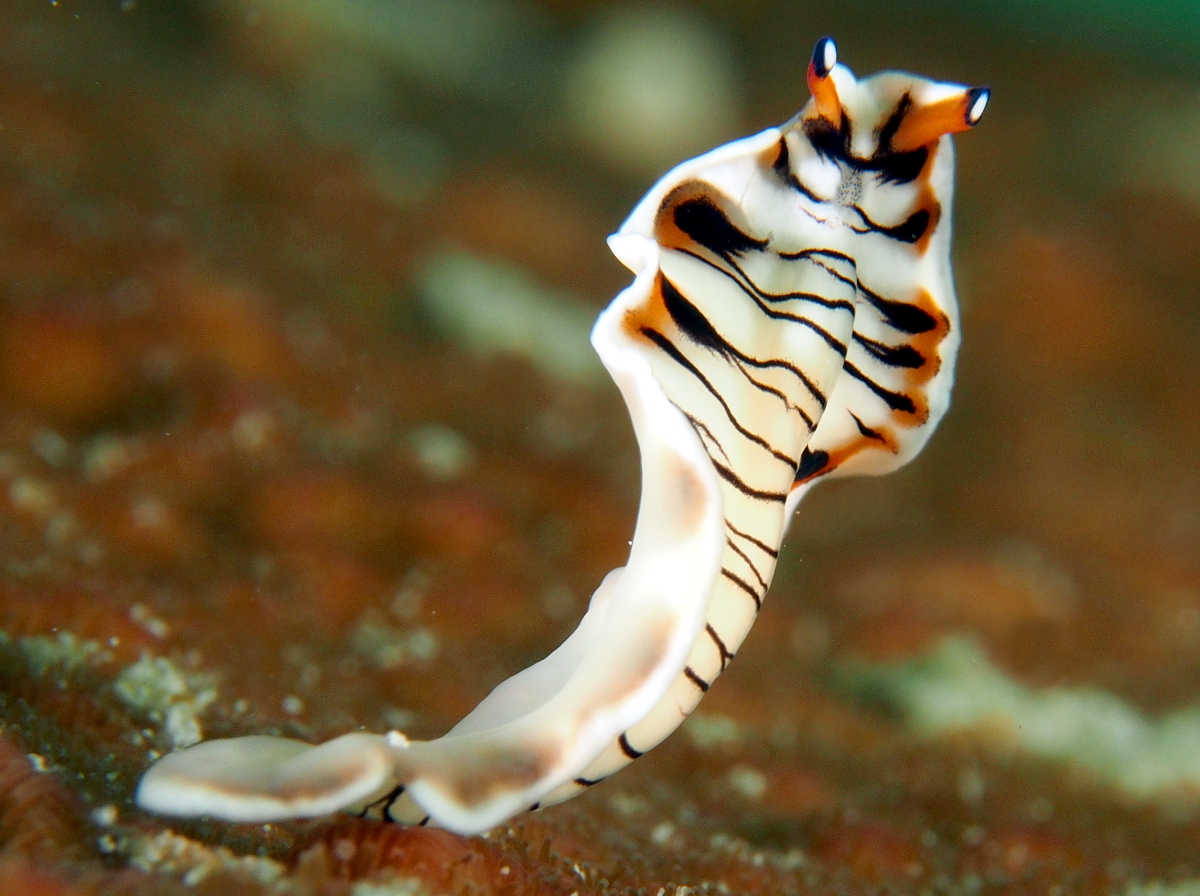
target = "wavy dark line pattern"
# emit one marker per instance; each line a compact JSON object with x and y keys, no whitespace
{"x":793,"y":303}
{"x":892,"y":349}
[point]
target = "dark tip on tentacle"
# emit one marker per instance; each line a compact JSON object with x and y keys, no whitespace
{"x":824,"y":57}
{"x":977,"y":100}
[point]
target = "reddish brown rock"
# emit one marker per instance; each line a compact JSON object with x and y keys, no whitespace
{"x":210,"y":363}
{"x":40,"y":819}
{"x":61,"y":369}
{"x":442,"y":861}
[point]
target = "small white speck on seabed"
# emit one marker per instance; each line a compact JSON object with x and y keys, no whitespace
{"x":441,"y":452}
{"x":167,"y":693}
{"x":106,"y":456}
{"x":628,"y":804}
{"x":152,"y":625}
{"x":31,"y":495}
{"x":51,"y":447}
{"x":662,"y":833}
{"x":406,"y":604}
{"x":708,"y":731}
{"x":252,"y":431}
{"x":292,"y":705}
{"x":174,"y":854}
{"x":747,"y":781}
{"x":387,"y":647}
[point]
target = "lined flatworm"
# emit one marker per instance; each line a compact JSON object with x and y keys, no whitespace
{"x":792,"y":319}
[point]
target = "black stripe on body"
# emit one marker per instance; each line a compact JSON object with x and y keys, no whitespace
{"x":679,"y":358}
{"x":831,"y":142}
{"x":733,"y":479}
{"x":888,"y":131}
{"x":758,"y":297}
{"x":897,"y":401}
{"x":753,"y":290}
{"x":902,"y":167}
{"x":818,"y":252}
{"x":696,"y":327}
{"x":689,"y":314}
{"x":705,"y":433}
{"x":811,"y":463}
{"x":691,"y":320}
{"x":898,"y":167}
{"x":726,"y":656}
{"x":588,"y":782}
{"x":778,"y":393}
{"x":898,"y":315}
{"x":783,"y":170}
{"x":704,"y":222}
{"x":627,"y":748}
{"x":866,"y":430}
{"x":695,"y":679}
{"x":758,"y":543}
{"x":754,"y":569}
{"x":744,"y":585}
{"x":891,"y":167}
{"x":384,"y":804}
{"x":909,"y":230}
{"x":891,"y":355}
{"x":391,"y":801}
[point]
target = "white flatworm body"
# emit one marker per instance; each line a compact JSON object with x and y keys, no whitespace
{"x":792,"y":318}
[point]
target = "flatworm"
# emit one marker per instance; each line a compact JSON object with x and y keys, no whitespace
{"x":792,"y":319}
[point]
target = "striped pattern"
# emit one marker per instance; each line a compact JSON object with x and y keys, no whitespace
{"x":792,"y":318}
{"x":803,"y":318}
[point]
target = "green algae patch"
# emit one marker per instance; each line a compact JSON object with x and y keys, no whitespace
{"x":63,"y":651}
{"x":958,"y":687}
{"x":169,"y":695}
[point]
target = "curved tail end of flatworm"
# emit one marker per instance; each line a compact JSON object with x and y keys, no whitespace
{"x":530,"y":741}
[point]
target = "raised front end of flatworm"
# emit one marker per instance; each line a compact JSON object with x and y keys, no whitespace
{"x":792,"y":318}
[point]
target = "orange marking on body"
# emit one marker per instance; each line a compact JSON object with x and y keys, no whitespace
{"x":916,"y":379}
{"x":668,"y":234}
{"x":826,"y":103}
{"x":769,"y":157}
{"x":884,"y":440}
{"x":927,"y":200}
{"x":926,"y":124}
{"x":651,"y":314}
{"x":691,"y":501}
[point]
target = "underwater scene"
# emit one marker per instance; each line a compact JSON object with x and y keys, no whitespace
{"x":302,"y":436}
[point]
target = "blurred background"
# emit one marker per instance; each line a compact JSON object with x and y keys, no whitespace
{"x":300,"y":431}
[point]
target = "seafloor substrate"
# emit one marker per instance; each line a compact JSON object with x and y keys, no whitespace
{"x":247,"y":485}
